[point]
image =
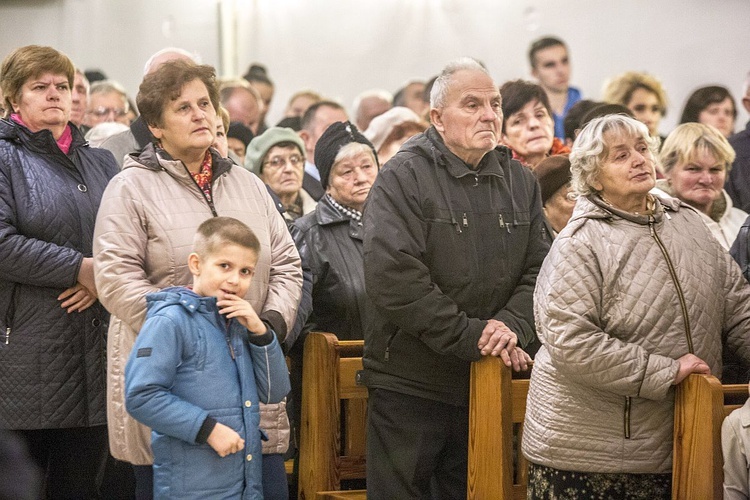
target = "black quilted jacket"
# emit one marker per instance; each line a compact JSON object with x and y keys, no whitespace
{"x":52,"y":364}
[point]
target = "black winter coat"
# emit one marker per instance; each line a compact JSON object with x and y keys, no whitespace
{"x":331,"y":243}
{"x":445,"y":249}
{"x":52,"y":364}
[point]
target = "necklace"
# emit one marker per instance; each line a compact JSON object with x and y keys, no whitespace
{"x":349,"y":212}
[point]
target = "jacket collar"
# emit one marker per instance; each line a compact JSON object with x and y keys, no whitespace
{"x":185,"y":297}
{"x":456,"y":167}
{"x":593,"y":207}
{"x":156,"y":160}
{"x":41,"y":141}
{"x":327,"y":214}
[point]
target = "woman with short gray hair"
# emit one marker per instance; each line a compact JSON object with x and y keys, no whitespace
{"x":633,"y":297}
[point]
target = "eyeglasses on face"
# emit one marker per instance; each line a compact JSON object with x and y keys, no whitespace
{"x":280,"y":161}
{"x":101,"y":111}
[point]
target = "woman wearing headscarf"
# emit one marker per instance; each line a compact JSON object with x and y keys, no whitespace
{"x":633,"y":297}
{"x":331,"y":236}
{"x":144,"y":234}
{"x":53,"y":328}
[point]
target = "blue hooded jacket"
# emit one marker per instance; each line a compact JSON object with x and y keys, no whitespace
{"x":189,"y":363}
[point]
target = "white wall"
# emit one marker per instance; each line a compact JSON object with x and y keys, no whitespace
{"x":341,"y":47}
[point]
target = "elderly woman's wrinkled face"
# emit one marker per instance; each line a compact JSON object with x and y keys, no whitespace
{"x":646,"y":108}
{"x":188,"y":123}
{"x":628,"y":171}
{"x":283,"y":168}
{"x":351,"y":179}
{"x":700,"y":181}
{"x":719,"y":115}
{"x":530,"y":131}
{"x":44,"y":102}
{"x":559,"y":207}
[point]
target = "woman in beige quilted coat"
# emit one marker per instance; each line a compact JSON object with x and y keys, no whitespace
{"x":144,"y":233}
{"x":633,"y":297}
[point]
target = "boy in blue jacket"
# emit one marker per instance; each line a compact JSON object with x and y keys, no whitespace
{"x":200,"y":365}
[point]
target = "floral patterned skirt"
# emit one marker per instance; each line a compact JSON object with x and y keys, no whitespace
{"x":546,"y":483}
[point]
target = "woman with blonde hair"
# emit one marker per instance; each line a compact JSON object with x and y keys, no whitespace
{"x":642,"y":94}
{"x":696,"y":159}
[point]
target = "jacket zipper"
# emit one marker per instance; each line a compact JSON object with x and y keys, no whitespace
{"x":7,"y":336}
{"x":626,"y":420}
{"x":680,"y":295}
{"x":387,"y":354}
{"x":229,"y":340}
{"x":502,"y":223}
{"x":208,"y":201}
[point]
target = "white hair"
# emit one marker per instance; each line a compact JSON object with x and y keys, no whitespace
{"x":590,"y":148}
{"x":440,"y":87}
{"x":170,"y":50}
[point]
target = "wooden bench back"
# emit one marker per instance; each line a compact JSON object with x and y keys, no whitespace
{"x":701,"y":404}
{"x":497,"y":406}
{"x":334,"y":416}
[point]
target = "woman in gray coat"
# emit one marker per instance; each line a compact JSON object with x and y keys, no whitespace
{"x":633,"y":297}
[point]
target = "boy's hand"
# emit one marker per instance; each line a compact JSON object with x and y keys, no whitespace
{"x":233,"y":306}
{"x":225,"y":440}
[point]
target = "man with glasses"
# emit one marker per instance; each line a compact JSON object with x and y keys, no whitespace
{"x":108,"y":102}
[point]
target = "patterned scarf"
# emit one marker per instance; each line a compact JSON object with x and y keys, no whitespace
{"x":204,"y":176}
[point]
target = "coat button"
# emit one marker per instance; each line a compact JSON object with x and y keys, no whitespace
{"x":96,"y":322}
{"x":82,"y":188}
{"x":248,"y":404}
{"x":249,"y":457}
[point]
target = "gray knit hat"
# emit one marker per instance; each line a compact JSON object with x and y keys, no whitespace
{"x":260,"y":145}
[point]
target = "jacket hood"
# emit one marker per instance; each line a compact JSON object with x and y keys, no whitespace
{"x":156,"y":159}
{"x":185,"y":297}
{"x":593,"y":207}
{"x":40,"y":141}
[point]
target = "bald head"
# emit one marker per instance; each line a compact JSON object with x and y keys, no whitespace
{"x":166,"y":55}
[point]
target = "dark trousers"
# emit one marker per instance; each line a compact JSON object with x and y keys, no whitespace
{"x":416,"y":448}
{"x":71,"y":460}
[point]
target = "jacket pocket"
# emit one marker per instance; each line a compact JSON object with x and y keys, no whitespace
{"x":626,"y":417}
{"x":10,"y":310}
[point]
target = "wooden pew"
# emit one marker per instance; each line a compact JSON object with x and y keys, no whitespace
{"x":497,"y":406}
{"x":701,"y":404}
{"x":496,"y":410}
{"x":334,"y":418}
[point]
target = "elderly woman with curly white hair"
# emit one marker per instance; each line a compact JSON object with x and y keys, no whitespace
{"x":633,"y":297}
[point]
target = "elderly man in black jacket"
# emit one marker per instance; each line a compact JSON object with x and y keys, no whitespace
{"x":452,"y":247}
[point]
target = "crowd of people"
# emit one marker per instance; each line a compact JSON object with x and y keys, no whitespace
{"x":161,"y":255}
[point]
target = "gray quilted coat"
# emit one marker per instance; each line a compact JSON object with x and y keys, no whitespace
{"x":618,"y":299}
{"x":144,"y":234}
{"x":52,"y":371}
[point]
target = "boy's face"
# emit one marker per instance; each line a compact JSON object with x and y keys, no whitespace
{"x":227,"y":270}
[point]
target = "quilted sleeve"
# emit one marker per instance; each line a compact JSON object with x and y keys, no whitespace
{"x":119,"y":251}
{"x":568,"y":311}
{"x":29,"y":260}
